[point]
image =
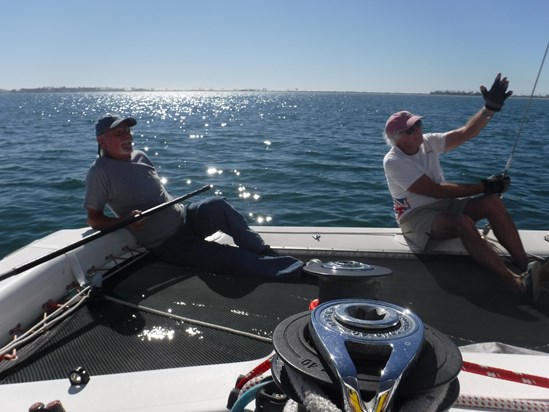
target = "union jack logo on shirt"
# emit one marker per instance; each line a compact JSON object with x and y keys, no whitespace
{"x":400,"y":206}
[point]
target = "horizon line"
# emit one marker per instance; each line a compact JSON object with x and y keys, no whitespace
{"x":60,"y":89}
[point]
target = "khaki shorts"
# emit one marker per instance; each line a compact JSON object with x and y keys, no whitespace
{"x":416,"y":225}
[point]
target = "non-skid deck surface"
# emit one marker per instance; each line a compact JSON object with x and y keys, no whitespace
{"x":457,"y":296}
{"x":107,"y":337}
{"x":454,"y":295}
{"x":471,"y":305}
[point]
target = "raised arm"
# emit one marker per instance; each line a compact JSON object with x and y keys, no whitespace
{"x":494,"y":100}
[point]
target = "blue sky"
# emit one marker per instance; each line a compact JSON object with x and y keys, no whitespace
{"x":346,"y":45}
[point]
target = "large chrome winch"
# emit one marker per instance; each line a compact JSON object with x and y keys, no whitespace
{"x":366,"y":355}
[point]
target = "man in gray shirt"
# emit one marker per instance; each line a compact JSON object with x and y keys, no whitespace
{"x":126,"y":181}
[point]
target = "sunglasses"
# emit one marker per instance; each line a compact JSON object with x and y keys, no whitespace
{"x":118,"y":132}
{"x":416,"y":125}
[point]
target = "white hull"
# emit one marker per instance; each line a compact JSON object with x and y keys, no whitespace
{"x":206,"y":388}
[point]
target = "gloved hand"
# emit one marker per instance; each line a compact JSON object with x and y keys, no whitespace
{"x":497,"y":94}
{"x":496,"y":184}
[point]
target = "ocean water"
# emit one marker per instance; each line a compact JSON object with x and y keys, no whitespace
{"x":281,"y":158}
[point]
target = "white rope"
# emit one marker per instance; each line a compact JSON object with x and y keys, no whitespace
{"x":68,"y":307}
{"x":314,"y":399}
{"x":56,"y":316}
{"x":503,"y":404}
{"x":291,"y":406}
{"x":251,"y":383}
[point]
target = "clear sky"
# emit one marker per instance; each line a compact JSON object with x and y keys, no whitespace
{"x":346,"y":45}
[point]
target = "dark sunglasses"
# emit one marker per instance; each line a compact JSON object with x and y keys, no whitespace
{"x":118,"y":131}
{"x":416,"y":125}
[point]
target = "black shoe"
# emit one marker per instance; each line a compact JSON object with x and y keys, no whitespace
{"x":268,"y":251}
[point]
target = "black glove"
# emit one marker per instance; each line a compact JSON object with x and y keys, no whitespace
{"x":496,"y":184}
{"x":497,"y":94}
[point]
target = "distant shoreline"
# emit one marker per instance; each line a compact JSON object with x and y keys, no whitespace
{"x":136,"y":89}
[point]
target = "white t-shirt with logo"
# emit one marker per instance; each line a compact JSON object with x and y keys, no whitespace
{"x":402,"y":170}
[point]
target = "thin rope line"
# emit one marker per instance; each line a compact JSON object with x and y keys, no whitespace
{"x":488,"y":227}
{"x":508,"y":164}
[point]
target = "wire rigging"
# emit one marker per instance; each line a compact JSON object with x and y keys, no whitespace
{"x":508,"y":164}
{"x":487,"y":227}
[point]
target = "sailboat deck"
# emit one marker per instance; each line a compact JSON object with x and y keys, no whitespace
{"x":153,"y":315}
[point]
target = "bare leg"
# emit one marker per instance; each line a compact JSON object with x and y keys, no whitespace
{"x":492,"y":208}
{"x":447,"y":226}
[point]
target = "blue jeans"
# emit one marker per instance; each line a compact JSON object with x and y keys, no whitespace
{"x":187,"y":246}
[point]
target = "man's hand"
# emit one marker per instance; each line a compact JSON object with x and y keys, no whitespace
{"x":495,"y":97}
{"x":496,"y":184}
{"x":139,"y":224}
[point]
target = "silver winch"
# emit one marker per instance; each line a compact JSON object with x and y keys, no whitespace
{"x":366,"y":354}
{"x":346,"y":279}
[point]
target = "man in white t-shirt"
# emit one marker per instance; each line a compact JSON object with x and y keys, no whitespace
{"x":428,"y":207}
